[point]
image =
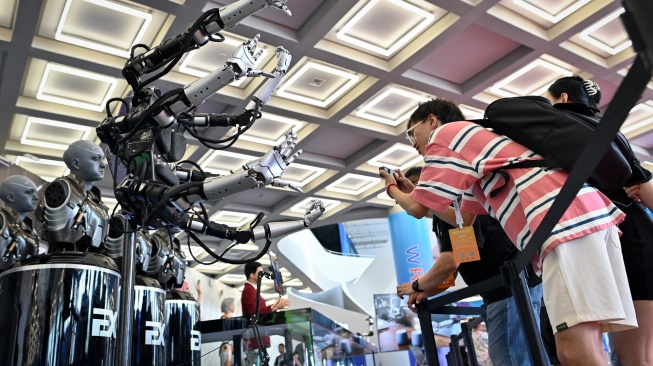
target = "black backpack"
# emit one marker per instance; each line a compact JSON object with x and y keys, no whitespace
{"x":559,"y":136}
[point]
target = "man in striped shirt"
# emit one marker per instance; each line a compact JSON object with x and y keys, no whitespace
{"x":585,"y":286}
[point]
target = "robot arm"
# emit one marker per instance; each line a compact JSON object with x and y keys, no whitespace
{"x":270,"y":230}
{"x":197,"y":35}
{"x":266,"y":170}
{"x":163,"y":111}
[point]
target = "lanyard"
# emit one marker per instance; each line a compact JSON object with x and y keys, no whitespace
{"x":459,"y":217}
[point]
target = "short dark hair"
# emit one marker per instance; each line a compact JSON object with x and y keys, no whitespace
{"x":444,"y":109}
{"x":251,"y":267}
{"x":576,"y":91}
{"x":414,"y":171}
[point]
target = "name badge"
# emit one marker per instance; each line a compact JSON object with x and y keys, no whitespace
{"x":463,"y":243}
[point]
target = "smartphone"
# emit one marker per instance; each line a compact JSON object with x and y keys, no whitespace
{"x":387,"y":170}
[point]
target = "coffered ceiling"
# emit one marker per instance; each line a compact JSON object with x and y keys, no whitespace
{"x":359,"y":68}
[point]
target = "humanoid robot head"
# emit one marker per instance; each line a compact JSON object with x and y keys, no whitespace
{"x":19,"y":193}
{"x":86,"y":160}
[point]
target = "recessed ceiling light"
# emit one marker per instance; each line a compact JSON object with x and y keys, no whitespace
{"x":317,"y":172}
{"x":353,"y":79}
{"x":218,"y":153}
{"x":384,"y":196}
{"x":378,"y":160}
{"x":48,"y":122}
{"x":586,"y":35}
{"x":295,"y":124}
{"x":304,"y":204}
{"x":428,"y":18}
{"x":471,"y":112}
{"x":185,"y":68}
{"x":20,"y":160}
{"x":333,"y":187}
{"x":84,"y":42}
{"x":553,"y":18}
{"x":50,"y":67}
{"x":497,"y":88}
{"x":232,"y":218}
{"x":217,"y":267}
{"x":392,"y":90}
{"x":647,"y":109}
{"x":232,"y":279}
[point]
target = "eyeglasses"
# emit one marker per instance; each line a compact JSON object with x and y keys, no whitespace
{"x":410,"y":135}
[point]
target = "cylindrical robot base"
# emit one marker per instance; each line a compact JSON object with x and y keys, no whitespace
{"x":183,"y":329}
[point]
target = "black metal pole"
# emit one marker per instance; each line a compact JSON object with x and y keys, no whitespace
{"x":126,"y":317}
{"x":454,"y":348}
{"x":427,"y":335}
{"x":469,"y":343}
{"x":525,"y":311}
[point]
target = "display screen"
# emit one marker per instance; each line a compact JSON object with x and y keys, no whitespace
{"x":276,"y":275}
{"x":396,"y":324}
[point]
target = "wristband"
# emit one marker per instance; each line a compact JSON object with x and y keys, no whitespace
{"x":387,"y":189}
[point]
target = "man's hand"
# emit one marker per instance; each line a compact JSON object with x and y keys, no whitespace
{"x":389,"y":178}
{"x":405,"y":289}
{"x":282,"y":303}
{"x":415,"y":299}
{"x":404,"y":183}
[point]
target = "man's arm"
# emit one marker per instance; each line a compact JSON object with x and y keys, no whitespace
{"x":442,"y":269}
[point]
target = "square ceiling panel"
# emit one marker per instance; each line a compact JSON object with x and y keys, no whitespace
{"x":606,"y":38}
{"x":353,"y":184}
{"x":223,"y":162}
{"x":545,"y":12}
{"x":214,"y":55}
{"x":317,"y":84}
{"x":471,"y":112}
{"x":301,"y":174}
{"x":45,"y":168}
{"x":392,"y":106}
{"x":301,"y":11}
{"x":75,"y":87}
{"x":399,"y":156}
{"x":334,"y":143}
{"x":402,"y":22}
{"x":445,"y":61}
{"x":52,"y":134}
{"x":639,"y":120}
{"x":232,"y":218}
{"x":270,"y":129}
{"x":260,"y":198}
{"x":101,"y":25}
{"x":532,"y":79}
{"x":8,"y":12}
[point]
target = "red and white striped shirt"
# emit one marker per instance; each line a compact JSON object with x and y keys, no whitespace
{"x":463,"y":158}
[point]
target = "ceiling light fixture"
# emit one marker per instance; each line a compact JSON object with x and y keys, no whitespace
{"x":48,"y":122}
{"x":392,"y":90}
{"x":241,"y":218}
{"x":378,"y":160}
{"x":586,"y":35}
{"x":146,"y":17}
{"x":648,"y":109}
{"x":471,"y":112}
{"x":221,"y":153}
{"x":372,"y":181}
{"x":185,"y":68}
{"x":316,"y":173}
{"x":20,"y":160}
{"x":428,"y":19}
{"x":353,"y":79}
{"x":304,"y":204}
{"x":50,"y":67}
{"x":295,"y":124}
{"x":497,"y":88}
{"x":553,"y":18}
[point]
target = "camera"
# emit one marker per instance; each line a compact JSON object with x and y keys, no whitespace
{"x":387,"y":170}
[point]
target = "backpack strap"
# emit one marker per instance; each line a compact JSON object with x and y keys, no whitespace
{"x":521,"y":164}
